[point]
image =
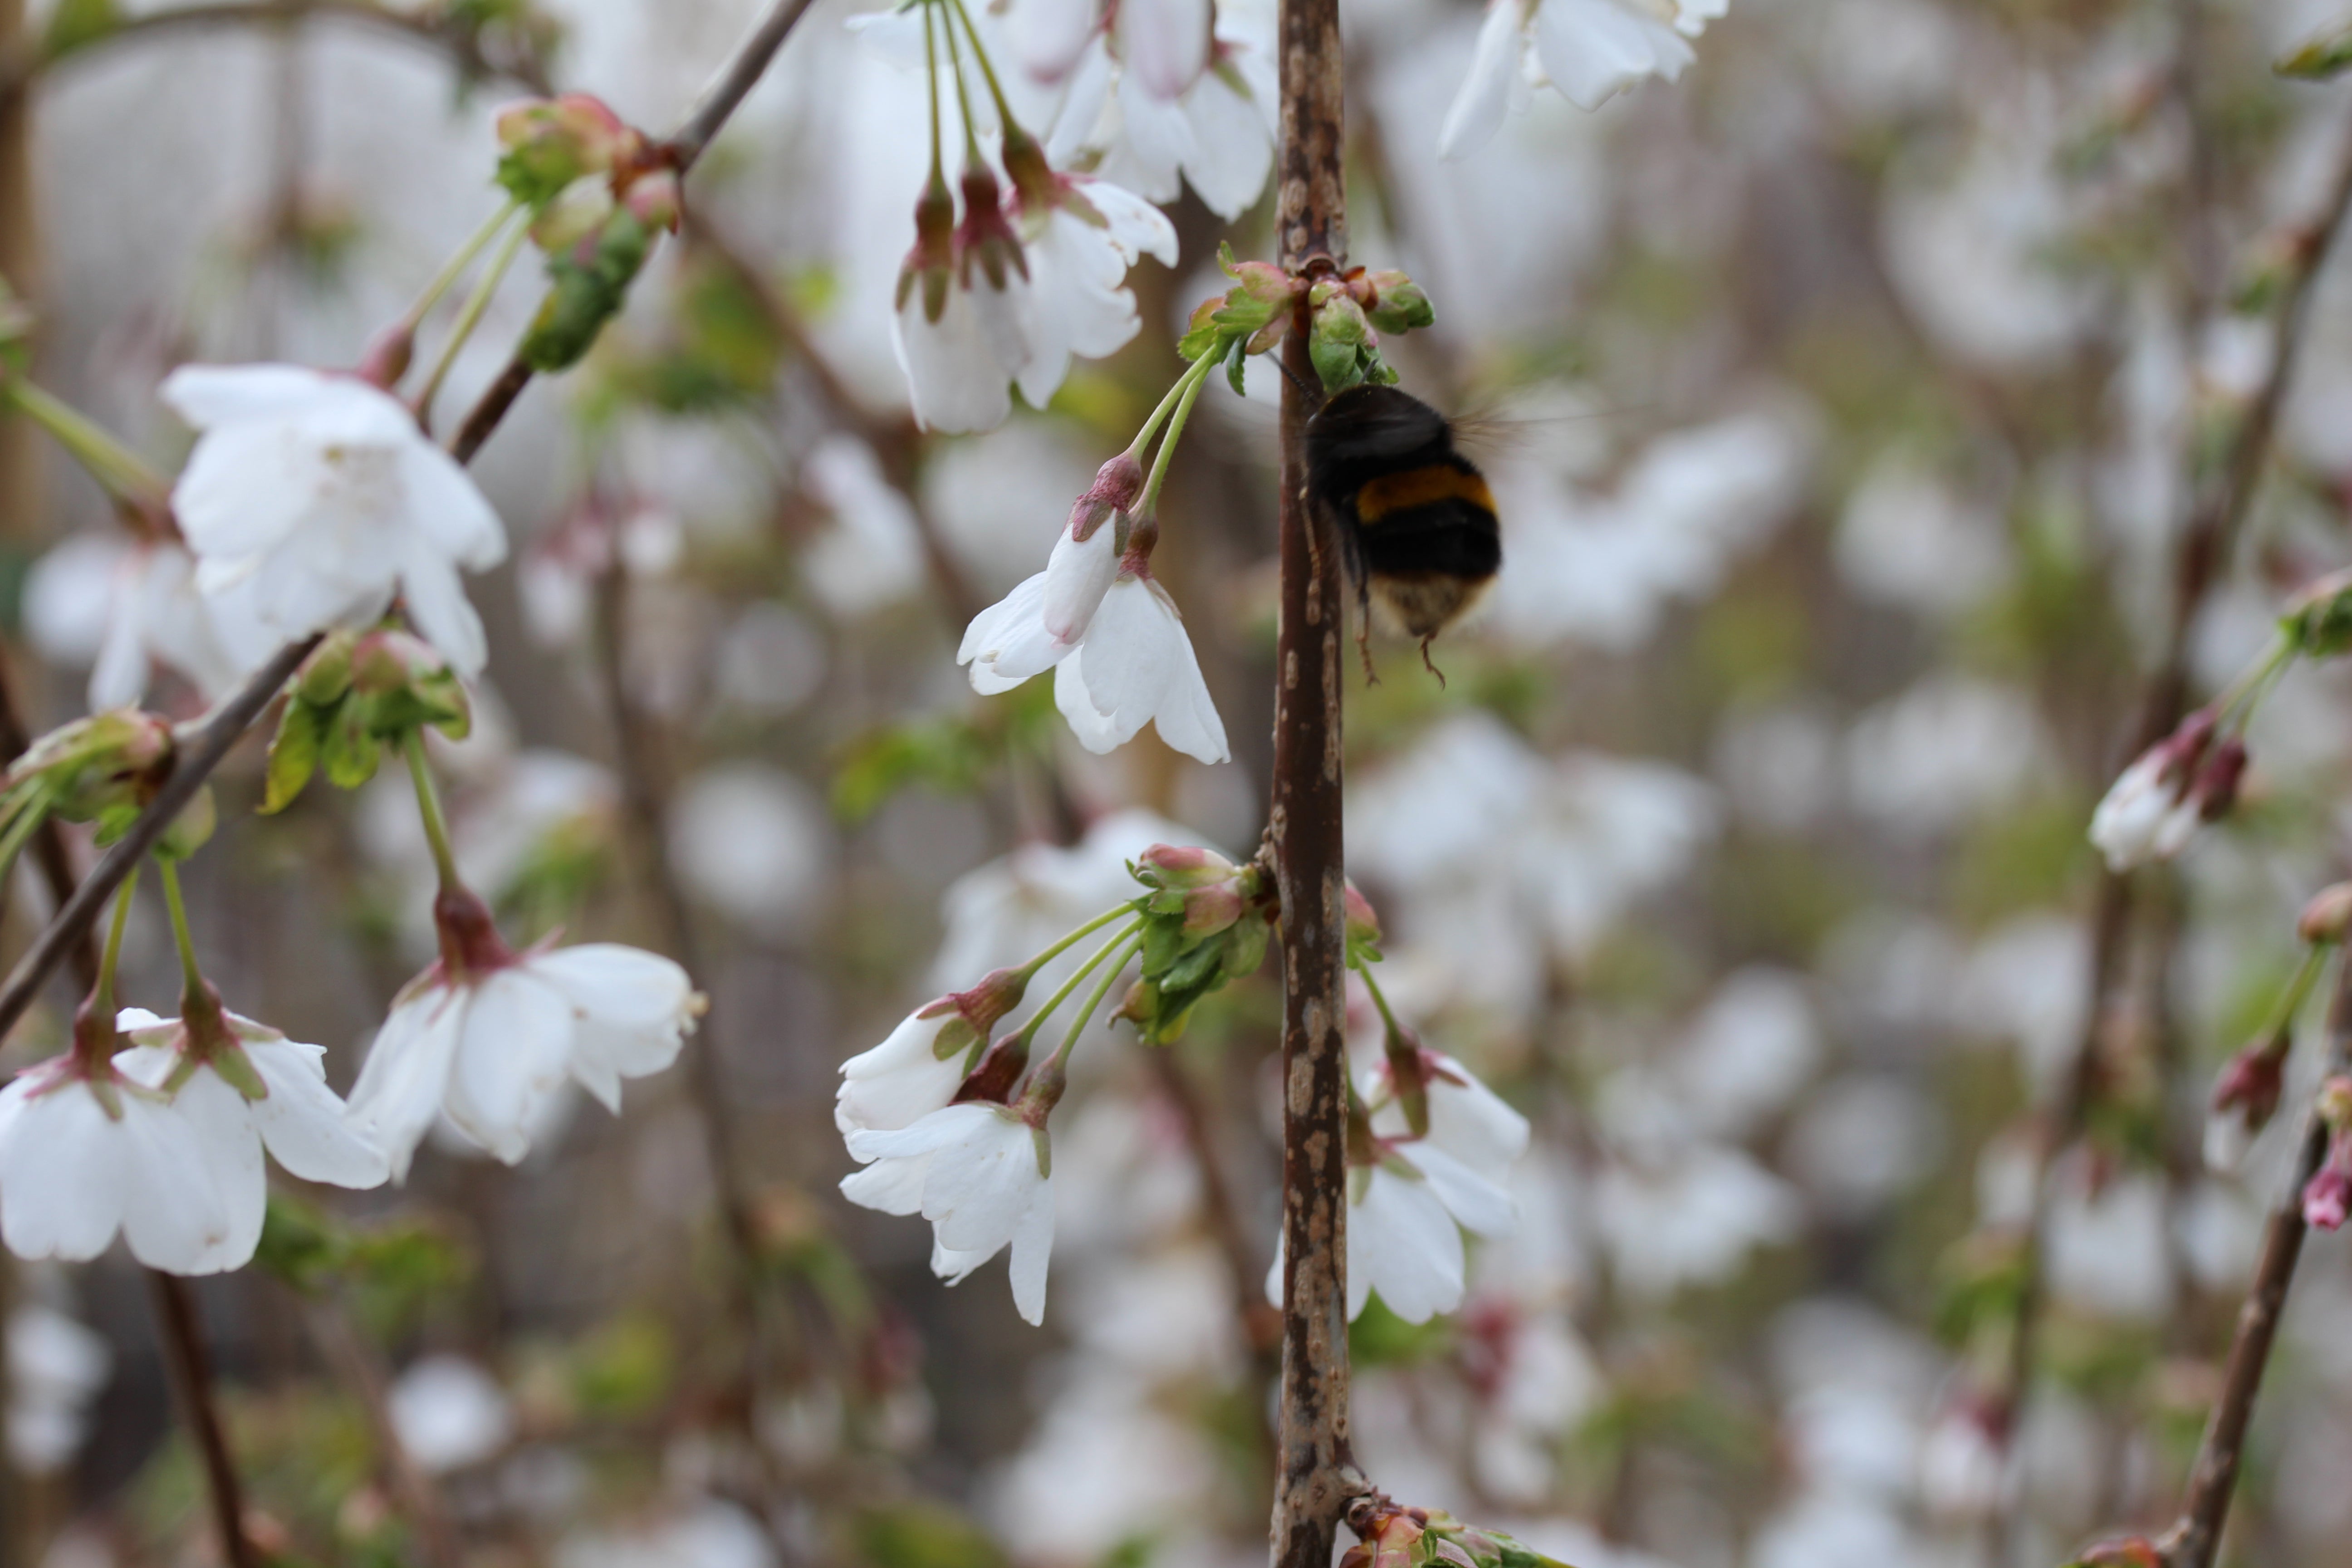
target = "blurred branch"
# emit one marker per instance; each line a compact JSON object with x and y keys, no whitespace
{"x":2213,"y":531}
{"x":29,"y":58}
{"x":1315,"y":1473}
{"x":192,"y":1386}
{"x":356,"y":1362}
{"x":2192,"y":1542}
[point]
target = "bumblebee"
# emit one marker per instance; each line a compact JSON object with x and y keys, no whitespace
{"x":1422,"y":537}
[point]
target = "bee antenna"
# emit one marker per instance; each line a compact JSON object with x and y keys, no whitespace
{"x":1314,"y":395}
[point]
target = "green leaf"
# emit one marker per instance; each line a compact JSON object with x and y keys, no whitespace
{"x":586,"y":291}
{"x":76,"y":24}
{"x":349,"y":751}
{"x":2321,"y":58}
{"x":294,"y":753}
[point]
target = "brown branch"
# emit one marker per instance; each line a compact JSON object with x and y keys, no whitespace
{"x":2206,"y":543}
{"x":2191,"y":1542}
{"x":191,"y":1375}
{"x":1315,"y":1472}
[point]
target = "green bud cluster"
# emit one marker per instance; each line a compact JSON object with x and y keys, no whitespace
{"x":356,"y":694}
{"x":1206,"y":922}
{"x":1346,"y":316}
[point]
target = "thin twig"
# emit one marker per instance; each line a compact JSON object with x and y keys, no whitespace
{"x":1315,"y":1473}
{"x":2205,"y":545}
{"x":185,"y":1360}
{"x":2191,"y":1542}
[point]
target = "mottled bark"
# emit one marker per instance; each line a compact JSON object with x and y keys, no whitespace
{"x":1314,"y":1476}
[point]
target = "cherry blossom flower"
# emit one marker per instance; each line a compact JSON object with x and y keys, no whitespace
{"x":2155,"y":805}
{"x":121,"y":608}
{"x":963,"y":298}
{"x":980,"y":1174}
{"x":1130,"y":107}
{"x":320,"y":492}
{"x":1131,"y":665}
{"x":1467,"y":1120}
{"x":918,"y":1066}
{"x":487,"y":1037}
{"x":1082,"y":235}
{"x":167,"y":1150}
{"x":1589,"y":50}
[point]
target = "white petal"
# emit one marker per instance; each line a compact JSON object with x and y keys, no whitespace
{"x":1187,"y":719}
{"x":1138,"y":227}
{"x":891,"y":1187}
{"x":444,"y":505}
{"x":1096,"y":731}
{"x":199,"y":1189}
{"x":978,"y":1189}
{"x":439,"y":610}
{"x":1232,"y":153}
{"x":1479,"y":108}
{"x":954,"y":1124}
{"x":407,"y":1072}
{"x":1404,"y":1243}
{"x":1048,"y":36}
{"x":1475,"y":1203}
{"x":633,"y":1009}
{"x":1592,"y":49}
{"x":1033,"y":1244}
{"x":1164,"y":44}
{"x":899,"y":1081}
{"x":955,"y":379}
{"x":1078,"y":575}
{"x":513,"y":1056}
{"x":245,"y":489}
{"x":62,"y":1172}
{"x":205,"y":395}
{"x":305,"y":1127}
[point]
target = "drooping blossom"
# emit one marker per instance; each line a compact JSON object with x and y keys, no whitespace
{"x":122,"y":608}
{"x":918,"y":1066}
{"x":320,"y":492}
{"x":979,"y":1172}
{"x":1589,"y":50}
{"x":165,"y":1148}
{"x":1081,"y":236}
{"x":1152,"y":111}
{"x":963,"y":300}
{"x":2155,"y":805}
{"x":486,"y":1036}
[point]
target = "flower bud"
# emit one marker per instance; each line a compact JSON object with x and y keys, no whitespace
{"x":1208,"y":911}
{"x":985,"y":235}
{"x":998,"y":993}
{"x":101,"y":769}
{"x":2325,"y":921}
{"x":551,"y":142}
{"x":2328,"y":1196}
{"x":2245,"y":1097}
{"x":2318,"y":620}
{"x":1363,"y":923}
{"x":2216,"y":789}
{"x":326,"y":675}
{"x":572,"y":214}
{"x":2334,"y":1103}
{"x":1183,"y":866}
{"x":388,"y":660}
{"x":2124,"y":1551}
{"x":656,"y":200}
{"x":1393,"y":302}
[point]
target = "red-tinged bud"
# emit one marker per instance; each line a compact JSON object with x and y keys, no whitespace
{"x":999,"y":992}
{"x":1001,"y":1065}
{"x":985,"y":236}
{"x":1045,"y":1089}
{"x":1116,"y":484}
{"x":2327,"y":918}
{"x":2126,"y":1552}
{"x":470,"y":943}
{"x":931,"y":259}
{"x":1363,"y":922}
{"x":388,"y":356}
{"x":2328,"y":1196}
{"x":1186,"y":865}
{"x":2252,"y":1083}
{"x":2216,"y":789}
{"x":389,"y":660}
{"x":656,"y":201}
{"x":1142,"y":539}
{"x":1208,"y":911}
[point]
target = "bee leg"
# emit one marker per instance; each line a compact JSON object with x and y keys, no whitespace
{"x":1427,"y":664}
{"x":1364,"y":631}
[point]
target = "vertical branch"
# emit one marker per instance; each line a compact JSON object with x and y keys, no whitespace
{"x":2212,"y":534}
{"x":1315,"y":1473}
{"x":192,"y":1386}
{"x":2192,"y":1542}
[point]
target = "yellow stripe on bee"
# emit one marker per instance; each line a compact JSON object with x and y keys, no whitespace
{"x":1420,"y":487}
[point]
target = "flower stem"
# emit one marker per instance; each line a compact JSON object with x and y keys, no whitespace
{"x":1013,"y":133}
{"x":1029,"y":1030}
{"x":102,"y":995}
{"x":1190,"y":388}
{"x":1175,"y":396}
{"x":454,"y":267}
{"x":125,"y":476}
{"x":931,"y":73}
{"x":1372,"y":986}
{"x":2280,"y":1028}
{"x":24,"y":820}
{"x":428,"y":805}
{"x":470,"y":316}
{"x":972,"y":158}
{"x":1029,"y":969}
{"x":1127,"y":948}
{"x":181,"y":935}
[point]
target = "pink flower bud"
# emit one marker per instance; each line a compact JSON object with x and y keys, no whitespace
{"x":1363,"y":923}
{"x":386,"y":358}
{"x":2328,"y":918}
{"x":2327,"y":1197}
{"x":2251,"y":1083}
{"x":656,"y":201}
{"x":1186,"y":865}
{"x":2216,"y":789}
{"x":1208,"y":911}
{"x":388,"y":660}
